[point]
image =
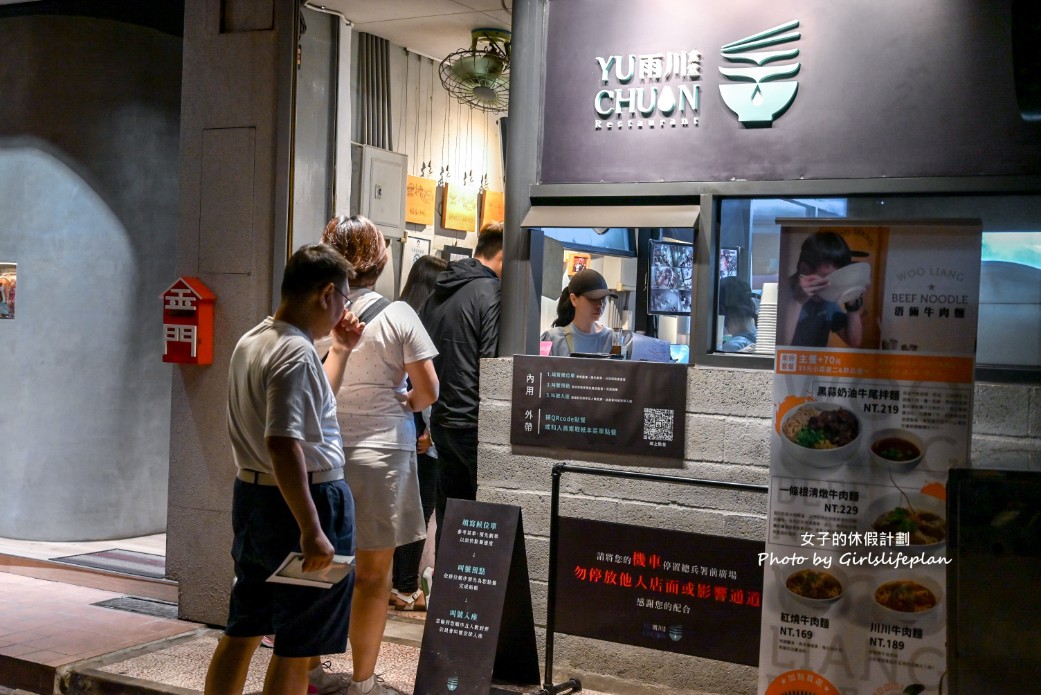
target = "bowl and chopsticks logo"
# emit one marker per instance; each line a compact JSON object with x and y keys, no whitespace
{"x":757,"y":95}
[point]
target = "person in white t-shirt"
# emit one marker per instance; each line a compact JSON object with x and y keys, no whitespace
{"x":375,"y":409}
{"x":289,"y":493}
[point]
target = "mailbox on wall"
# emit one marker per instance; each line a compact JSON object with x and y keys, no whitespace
{"x":188,"y":322}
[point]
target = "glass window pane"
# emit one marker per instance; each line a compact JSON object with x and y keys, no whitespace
{"x":746,"y":289}
{"x":609,"y":240}
{"x":1009,"y":333}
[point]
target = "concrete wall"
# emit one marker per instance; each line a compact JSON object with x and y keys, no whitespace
{"x":727,"y":439}
{"x":314,"y":137}
{"x":89,"y":123}
{"x":235,"y":159}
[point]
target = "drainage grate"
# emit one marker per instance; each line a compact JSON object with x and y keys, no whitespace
{"x":145,"y":606}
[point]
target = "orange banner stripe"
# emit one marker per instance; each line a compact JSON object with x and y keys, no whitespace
{"x":876,"y":365}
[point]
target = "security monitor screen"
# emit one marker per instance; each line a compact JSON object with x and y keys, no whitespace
{"x":671,"y":278}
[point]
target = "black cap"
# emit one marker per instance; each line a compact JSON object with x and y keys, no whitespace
{"x":589,"y":283}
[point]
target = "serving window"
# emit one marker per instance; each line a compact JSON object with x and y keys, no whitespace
{"x":645,"y":253}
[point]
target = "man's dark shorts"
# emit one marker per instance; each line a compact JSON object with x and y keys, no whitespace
{"x":305,"y":621}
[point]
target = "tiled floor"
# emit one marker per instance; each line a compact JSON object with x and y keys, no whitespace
{"x":46,"y":550}
{"x":45,"y":625}
{"x":47,"y":622}
{"x":35,"y":559}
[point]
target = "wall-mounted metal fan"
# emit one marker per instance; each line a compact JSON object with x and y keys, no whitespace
{"x":480,"y":75}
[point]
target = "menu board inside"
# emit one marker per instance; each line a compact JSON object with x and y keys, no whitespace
{"x":460,"y":208}
{"x":873,"y":397}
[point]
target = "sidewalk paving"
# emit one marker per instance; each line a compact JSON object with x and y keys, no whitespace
{"x":47,"y":626}
{"x":179,"y":667}
{"x":54,"y":639}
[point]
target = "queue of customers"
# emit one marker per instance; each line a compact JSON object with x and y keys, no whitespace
{"x":351,"y":418}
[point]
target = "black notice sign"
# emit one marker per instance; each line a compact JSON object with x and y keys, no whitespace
{"x":613,"y":406}
{"x":471,"y":632}
{"x":667,"y":590}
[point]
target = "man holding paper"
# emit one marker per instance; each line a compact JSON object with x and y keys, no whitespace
{"x":290,"y":494}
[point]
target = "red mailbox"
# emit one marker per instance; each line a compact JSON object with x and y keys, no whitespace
{"x":188,"y":322}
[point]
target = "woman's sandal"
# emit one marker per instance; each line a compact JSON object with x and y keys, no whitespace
{"x":408,"y":602}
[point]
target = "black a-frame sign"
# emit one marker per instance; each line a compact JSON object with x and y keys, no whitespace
{"x":479,"y":622}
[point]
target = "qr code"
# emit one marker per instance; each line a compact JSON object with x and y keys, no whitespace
{"x":657,"y":424}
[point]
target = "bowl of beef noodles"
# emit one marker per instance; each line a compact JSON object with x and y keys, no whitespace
{"x":820,"y":434}
{"x":916,"y":522}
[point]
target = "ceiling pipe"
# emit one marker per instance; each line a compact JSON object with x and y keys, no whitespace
{"x":322,"y":8}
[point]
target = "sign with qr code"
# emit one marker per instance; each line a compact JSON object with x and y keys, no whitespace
{"x":614,"y":406}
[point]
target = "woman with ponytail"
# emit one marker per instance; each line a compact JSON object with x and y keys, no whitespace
{"x":576,"y":328}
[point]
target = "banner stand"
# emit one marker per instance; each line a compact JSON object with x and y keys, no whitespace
{"x":573,"y":684}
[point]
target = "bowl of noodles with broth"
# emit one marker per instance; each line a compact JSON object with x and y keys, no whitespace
{"x":907,"y":599}
{"x":820,"y":434}
{"x":920,"y":519}
{"x":815,"y":587}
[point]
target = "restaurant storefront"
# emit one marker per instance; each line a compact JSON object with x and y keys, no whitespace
{"x":738,"y":116}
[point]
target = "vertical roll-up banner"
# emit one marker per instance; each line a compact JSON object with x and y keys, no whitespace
{"x":873,"y":388}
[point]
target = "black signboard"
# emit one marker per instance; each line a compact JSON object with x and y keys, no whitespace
{"x":471,"y":632}
{"x":667,"y":590}
{"x":612,"y":406}
{"x":657,"y":92}
{"x":993,"y":633}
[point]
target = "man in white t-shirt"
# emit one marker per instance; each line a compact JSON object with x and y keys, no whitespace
{"x":290,"y":494}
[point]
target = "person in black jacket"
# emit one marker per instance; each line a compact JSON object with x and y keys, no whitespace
{"x":462,"y":318}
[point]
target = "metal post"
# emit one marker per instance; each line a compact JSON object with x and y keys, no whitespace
{"x":551,"y":593}
{"x":519,"y":329}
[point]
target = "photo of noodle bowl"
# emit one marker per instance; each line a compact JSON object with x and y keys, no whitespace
{"x":815,"y":588}
{"x":908,"y":598}
{"x":922,"y":517}
{"x":820,"y":434}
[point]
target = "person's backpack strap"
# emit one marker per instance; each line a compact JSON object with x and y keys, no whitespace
{"x":568,"y":339}
{"x":373,"y":310}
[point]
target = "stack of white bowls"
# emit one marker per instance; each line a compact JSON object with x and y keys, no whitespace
{"x":766,"y":326}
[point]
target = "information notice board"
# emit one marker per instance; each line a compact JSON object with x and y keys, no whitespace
{"x":873,"y":393}
{"x":472,"y":632}
{"x":599,"y":405}
{"x":672,"y":591}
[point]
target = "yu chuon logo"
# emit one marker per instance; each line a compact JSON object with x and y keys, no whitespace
{"x":756,"y":94}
